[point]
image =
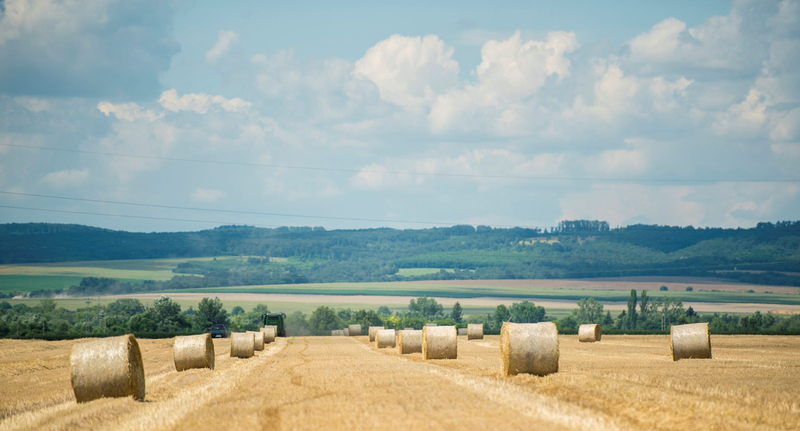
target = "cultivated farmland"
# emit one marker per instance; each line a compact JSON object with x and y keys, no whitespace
{"x":344,"y":383}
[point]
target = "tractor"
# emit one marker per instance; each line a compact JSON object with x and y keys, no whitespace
{"x":276,"y":319}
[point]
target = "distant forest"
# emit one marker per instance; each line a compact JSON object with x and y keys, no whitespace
{"x":766,"y":254}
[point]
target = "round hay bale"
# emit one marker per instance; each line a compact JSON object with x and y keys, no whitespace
{"x":589,"y":333}
{"x":439,"y":342}
{"x":243,"y":344}
{"x":372,"y":331}
{"x":474,"y":331}
{"x":355,"y":330}
{"x":271,"y":338}
{"x":431,"y":324}
{"x":109,"y":367}
{"x":333,"y":333}
{"x":408,"y":329}
{"x":385,"y":338}
{"x":690,"y":341}
{"x":462,"y":331}
{"x":346,"y":332}
{"x":258,"y":340}
{"x":409,"y":341}
{"x":530,"y":348}
{"x":193,"y":351}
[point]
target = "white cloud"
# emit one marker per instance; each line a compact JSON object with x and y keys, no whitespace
{"x":207,"y":195}
{"x":618,"y":162}
{"x":129,"y":111}
{"x":66,"y":178}
{"x":409,"y":71}
{"x":33,"y":104}
{"x":787,"y":128}
{"x":200,"y":102}
{"x":225,"y":40}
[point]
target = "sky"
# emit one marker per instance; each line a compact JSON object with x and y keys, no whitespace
{"x":184,"y":115}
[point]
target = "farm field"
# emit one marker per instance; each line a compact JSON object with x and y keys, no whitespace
{"x":344,"y":383}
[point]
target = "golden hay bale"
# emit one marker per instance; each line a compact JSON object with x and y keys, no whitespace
{"x":530,"y":348}
{"x":193,"y":351}
{"x":462,"y":331}
{"x":243,"y":344}
{"x":372,"y":330}
{"x":270,"y":332}
{"x":589,"y":333}
{"x":108,"y":367}
{"x":258,"y":340}
{"x":474,"y":331}
{"x":355,"y":330}
{"x":690,"y":341}
{"x":385,"y":338}
{"x":346,"y":332}
{"x":439,"y":342}
{"x":409,"y":341}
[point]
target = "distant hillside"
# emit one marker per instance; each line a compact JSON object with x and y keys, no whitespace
{"x":573,"y":250}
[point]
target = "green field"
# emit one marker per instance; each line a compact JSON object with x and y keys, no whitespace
{"x":410,"y":272}
{"x":455,"y":290}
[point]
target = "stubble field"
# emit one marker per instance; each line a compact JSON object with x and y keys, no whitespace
{"x":338,"y":383}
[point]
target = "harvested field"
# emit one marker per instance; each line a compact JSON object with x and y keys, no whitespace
{"x":344,"y":383}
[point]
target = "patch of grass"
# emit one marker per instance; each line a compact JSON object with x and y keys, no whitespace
{"x":410,"y":272}
{"x":29,"y":283}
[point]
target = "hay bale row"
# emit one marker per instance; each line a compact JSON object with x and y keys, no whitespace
{"x":409,"y":341}
{"x":193,"y":351}
{"x":109,"y":367}
{"x":474,"y":331}
{"x":355,"y":330}
{"x":270,"y":332}
{"x":692,"y":341}
{"x":589,"y":333}
{"x":372,"y":331}
{"x":385,"y":338}
{"x":530,"y":348}
{"x":346,"y":332}
{"x":439,"y":342}
{"x":337,"y":333}
{"x":258,"y":338}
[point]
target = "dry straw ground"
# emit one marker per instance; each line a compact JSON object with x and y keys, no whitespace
{"x":344,"y":383}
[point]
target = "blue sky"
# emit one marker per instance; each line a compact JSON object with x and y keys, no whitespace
{"x":525,"y":113}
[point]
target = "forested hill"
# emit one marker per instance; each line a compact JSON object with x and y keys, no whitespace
{"x":573,"y":249}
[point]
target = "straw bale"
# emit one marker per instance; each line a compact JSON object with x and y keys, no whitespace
{"x":474,"y":331}
{"x":109,"y":367}
{"x":355,"y":330}
{"x":243,"y":344}
{"x":193,"y":351}
{"x":530,"y":348}
{"x":589,"y":333}
{"x":346,"y":332}
{"x":409,"y":341}
{"x":385,"y":338}
{"x":372,"y":330}
{"x":270,"y":338}
{"x":439,"y":342}
{"x":690,"y":341}
{"x":258,"y":340}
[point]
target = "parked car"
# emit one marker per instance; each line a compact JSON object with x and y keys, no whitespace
{"x":220,"y":331}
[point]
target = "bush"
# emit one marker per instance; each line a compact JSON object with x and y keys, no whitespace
{"x":663,"y":288}
{"x":689,"y":288}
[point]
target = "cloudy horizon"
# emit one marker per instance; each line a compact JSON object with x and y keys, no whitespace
{"x":526,"y":114}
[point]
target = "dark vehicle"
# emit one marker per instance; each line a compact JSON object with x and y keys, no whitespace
{"x":277,"y":320}
{"x":220,"y":331}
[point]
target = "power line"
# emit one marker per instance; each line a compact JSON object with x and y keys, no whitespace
{"x":387,"y":172}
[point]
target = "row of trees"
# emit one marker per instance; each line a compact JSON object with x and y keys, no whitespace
{"x":166,"y":318}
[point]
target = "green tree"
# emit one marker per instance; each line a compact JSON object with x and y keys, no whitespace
{"x":456,"y":313}
{"x":501,"y":314}
{"x":48,"y":305}
{"x":588,"y":311}
{"x":425,"y":307}
{"x":261,"y":309}
{"x":237,"y":310}
{"x":366,"y":318}
{"x":126,"y":307}
{"x":324,"y":319}
{"x":384,"y":310}
{"x":527,"y":312}
{"x":210,"y":312}
{"x":632,"y":311}
{"x":167,"y":315}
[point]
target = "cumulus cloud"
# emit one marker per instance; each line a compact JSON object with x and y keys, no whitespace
{"x":409,"y":71}
{"x":128,"y":111}
{"x":207,"y":195}
{"x":93,"y":48}
{"x":66,"y":178}
{"x":200,"y":102}
{"x":225,"y":40}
